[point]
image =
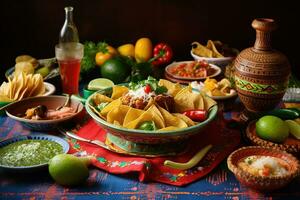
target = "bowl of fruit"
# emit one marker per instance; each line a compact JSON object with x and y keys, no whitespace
{"x":27,"y":64}
{"x":274,"y":132}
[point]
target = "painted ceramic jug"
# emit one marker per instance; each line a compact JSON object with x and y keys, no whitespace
{"x":261,"y":73}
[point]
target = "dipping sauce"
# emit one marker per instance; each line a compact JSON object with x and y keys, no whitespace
{"x":264,"y":166}
{"x":29,"y":153}
{"x":196,"y":69}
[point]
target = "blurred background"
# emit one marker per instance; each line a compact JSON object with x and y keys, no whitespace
{"x":32,"y":26}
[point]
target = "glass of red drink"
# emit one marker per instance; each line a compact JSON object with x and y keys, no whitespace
{"x":69,"y":56}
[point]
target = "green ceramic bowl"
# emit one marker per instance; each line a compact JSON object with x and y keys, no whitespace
{"x":2,"y":112}
{"x":149,"y":137}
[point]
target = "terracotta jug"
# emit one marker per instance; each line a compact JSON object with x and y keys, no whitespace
{"x":261,"y":73}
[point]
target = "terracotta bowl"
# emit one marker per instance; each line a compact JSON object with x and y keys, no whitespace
{"x":259,"y":182}
{"x":51,"y":102}
{"x":290,"y":145}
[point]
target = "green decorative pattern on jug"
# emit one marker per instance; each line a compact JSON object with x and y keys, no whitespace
{"x":260,"y":88}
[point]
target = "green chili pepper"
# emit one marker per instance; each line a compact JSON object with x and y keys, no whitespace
{"x":285,"y":113}
{"x":191,"y":163}
{"x":148,"y":126}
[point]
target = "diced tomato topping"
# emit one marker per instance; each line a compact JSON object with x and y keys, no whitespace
{"x":192,"y":70}
{"x":147,"y":89}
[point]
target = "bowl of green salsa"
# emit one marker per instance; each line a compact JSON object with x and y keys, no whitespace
{"x":30,"y":151}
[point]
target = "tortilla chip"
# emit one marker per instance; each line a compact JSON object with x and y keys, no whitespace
{"x":100,"y":98}
{"x":110,"y":106}
{"x":186,"y":119}
{"x":173,"y":88}
{"x":22,"y":94}
{"x":198,"y":101}
{"x":40,"y":90}
{"x":142,"y":118}
{"x":4,"y":98}
{"x":19,"y":86}
{"x":132,"y":115}
{"x":117,"y":114}
{"x":210,"y":84}
{"x":217,"y":92}
{"x":31,"y":85}
{"x":118,"y":91}
{"x":201,"y":50}
{"x":117,"y":123}
{"x":172,"y":120}
{"x":184,"y":100}
{"x":210,"y":45}
{"x":157,"y":117}
{"x":149,"y":104}
{"x":97,"y":112}
{"x":208,"y":102}
{"x":225,"y":82}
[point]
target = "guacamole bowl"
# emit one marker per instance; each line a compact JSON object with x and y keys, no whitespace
{"x":30,"y":152}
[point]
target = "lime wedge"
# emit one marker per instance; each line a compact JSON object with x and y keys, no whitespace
{"x":294,"y":128}
{"x":100,"y":84}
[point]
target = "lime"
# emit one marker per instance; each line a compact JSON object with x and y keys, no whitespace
{"x":44,"y":71}
{"x":272,"y":128}
{"x":100,"y":83}
{"x":68,"y":170}
{"x":115,"y":70}
{"x":294,"y":128}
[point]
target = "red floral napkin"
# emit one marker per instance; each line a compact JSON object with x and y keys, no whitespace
{"x":223,"y":139}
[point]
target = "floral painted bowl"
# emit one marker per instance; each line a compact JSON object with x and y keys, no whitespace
{"x":148,"y":137}
{"x":258,"y":181}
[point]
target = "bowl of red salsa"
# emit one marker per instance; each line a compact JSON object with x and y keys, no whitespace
{"x":192,"y":70}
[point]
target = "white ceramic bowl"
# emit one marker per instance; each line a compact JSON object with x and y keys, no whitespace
{"x":50,"y":89}
{"x":217,"y":61}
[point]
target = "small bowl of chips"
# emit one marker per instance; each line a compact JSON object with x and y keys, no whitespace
{"x":215,"y":52}
{"x":24,"y":86}
{"x":216,"y":90}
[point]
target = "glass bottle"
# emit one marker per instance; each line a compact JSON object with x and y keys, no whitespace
{"x":69,"y":32}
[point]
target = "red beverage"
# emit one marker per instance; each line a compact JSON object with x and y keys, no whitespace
{"x":69,"y":72}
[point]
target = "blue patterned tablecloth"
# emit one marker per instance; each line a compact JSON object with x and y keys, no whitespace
{"x":219,"y":184}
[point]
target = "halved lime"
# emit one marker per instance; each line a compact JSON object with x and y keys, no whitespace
{"x":294,"y":128}
{"x":100,"y":83}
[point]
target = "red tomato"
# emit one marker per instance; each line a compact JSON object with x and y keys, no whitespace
{"x":147,"y":89}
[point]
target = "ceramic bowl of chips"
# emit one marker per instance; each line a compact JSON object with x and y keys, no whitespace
{"x":215,"y":52}
{"x":217,"y":90}
{"x":47,"y":67}
{"x":24,"y":86}
{"x":263,"y":168}
{"x":44,"y":113}
{"x":127,"y":112}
